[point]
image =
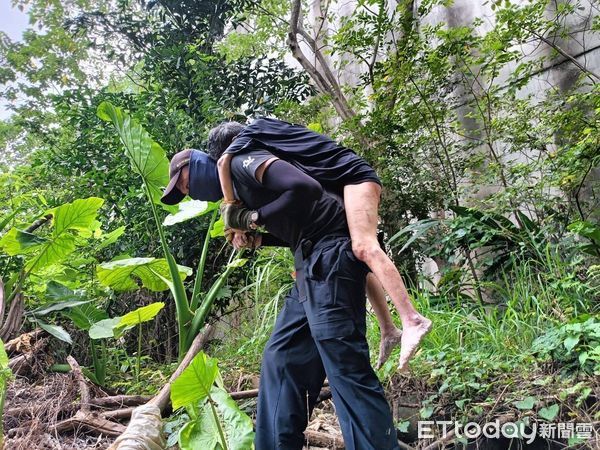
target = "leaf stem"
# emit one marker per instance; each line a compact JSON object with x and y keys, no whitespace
{"x":200,"y":269}
{"x":218,"y":422}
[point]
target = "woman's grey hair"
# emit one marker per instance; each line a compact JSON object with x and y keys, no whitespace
{"x":221,"y":136}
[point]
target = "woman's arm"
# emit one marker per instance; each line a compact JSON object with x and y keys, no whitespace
{"x":224,"y":168}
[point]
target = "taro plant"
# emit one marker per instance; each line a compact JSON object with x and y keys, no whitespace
{"x":115,"y":327}
{"x":148,"y":160}
{"x":215,"y":420}
{"x":44,"y":255}
{"x":77,"y":307}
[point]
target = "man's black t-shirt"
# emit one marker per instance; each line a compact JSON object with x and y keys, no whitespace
{"x":327,"y":215}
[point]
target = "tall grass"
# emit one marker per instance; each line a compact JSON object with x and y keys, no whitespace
{"x":524,"y":304}
{"x":269,"y":281}
{"x":530,"y":300}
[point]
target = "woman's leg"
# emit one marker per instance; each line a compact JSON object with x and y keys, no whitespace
{"x":390,"y":335}
{"x":362,"y":203}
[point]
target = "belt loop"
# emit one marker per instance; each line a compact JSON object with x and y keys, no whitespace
{"x":307,"y":246}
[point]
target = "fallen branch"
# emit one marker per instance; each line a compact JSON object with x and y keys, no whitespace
{"x":83,"y":387}
{"x":145,"y":428}
{"x":240,"y":395}
{"x":404,"y":446}
{"x":119,"y":414}
{"x":320,"y":439}
{"x":163,"y":398}
{"x":325,"y":394}
{"x":136,"y":400}
{"x":91,"y":422}
{"x":119,"y":401}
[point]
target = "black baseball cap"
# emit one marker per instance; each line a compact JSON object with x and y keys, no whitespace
{"x":172,"y":195}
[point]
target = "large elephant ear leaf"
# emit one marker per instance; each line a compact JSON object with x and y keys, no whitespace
{"x":19,"y":242}
{"x":195,"y":382}
{"x":79,"y":215}
{"x":69,"y":221}
{"x":147,"y":157}
{"x":188,"y":210}
{"x":236,"y":423}
{"x":204,"y":432}
{"x":140,"y":315}
{"x":123,"y":274}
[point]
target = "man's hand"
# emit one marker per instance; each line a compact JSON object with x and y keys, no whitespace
{"x":236,"y":215}
{"x":242,"y":239}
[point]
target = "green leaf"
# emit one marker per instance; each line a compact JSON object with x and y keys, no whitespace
{"x":574,"y":440}
{"x":147,"y":157}
{"x":203,"y":433}
{"x":104,"y":328}
{"x":417,"y":230}
{"x":122,"y":274}
{"x":587,"y":229}
{"x":69,"y":220}
{"x":80,"y":215}
{"x":218,"y":228}
{"x":19,"y":242}
{"x":461,"y":403}
{"x":549,"y":413}
{"x":60,"y":293}
{"x":571,"y":341}
{"x":316,"y":127}
{"x":5,"y":372}
{"x":110,"y":238}
{"x":195,"y":382}
{"x":527,"y":403}
{"x":63,"y":297}
{"x":56,"y":331}
{"x":6,"y":219}
{"x":403,"y":426}
{"x":85,"y":316}
{"x":54,"y":251}
{"x":42,"y":311}
{"x":188,"y":210}
{"x":143,"y":314}
{"x":238,"y":262}
{"x":426,"y":412}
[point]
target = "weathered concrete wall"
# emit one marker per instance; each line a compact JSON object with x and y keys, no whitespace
{"x":558,"y":72}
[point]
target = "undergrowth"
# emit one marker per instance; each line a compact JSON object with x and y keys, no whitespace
{"x":536,"y":341}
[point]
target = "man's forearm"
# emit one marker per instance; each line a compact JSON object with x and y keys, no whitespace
{"x":268,"y":240}
{"x":298,"y":192}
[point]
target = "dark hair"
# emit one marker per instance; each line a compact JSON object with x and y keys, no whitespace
{"x":221,"y":136}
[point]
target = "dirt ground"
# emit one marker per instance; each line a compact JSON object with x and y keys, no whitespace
{"x":32,"y":409}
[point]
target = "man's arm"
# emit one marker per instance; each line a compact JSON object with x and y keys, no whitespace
{"x":298,"y":191}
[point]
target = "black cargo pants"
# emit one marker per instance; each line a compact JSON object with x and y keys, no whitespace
{"x":321,"y":332}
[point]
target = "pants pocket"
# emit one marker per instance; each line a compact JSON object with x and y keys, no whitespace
{"x":321,"y":292}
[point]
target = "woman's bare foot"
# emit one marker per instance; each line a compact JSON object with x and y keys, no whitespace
{"x":411,"y":338}
{"x":388,"y":342}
